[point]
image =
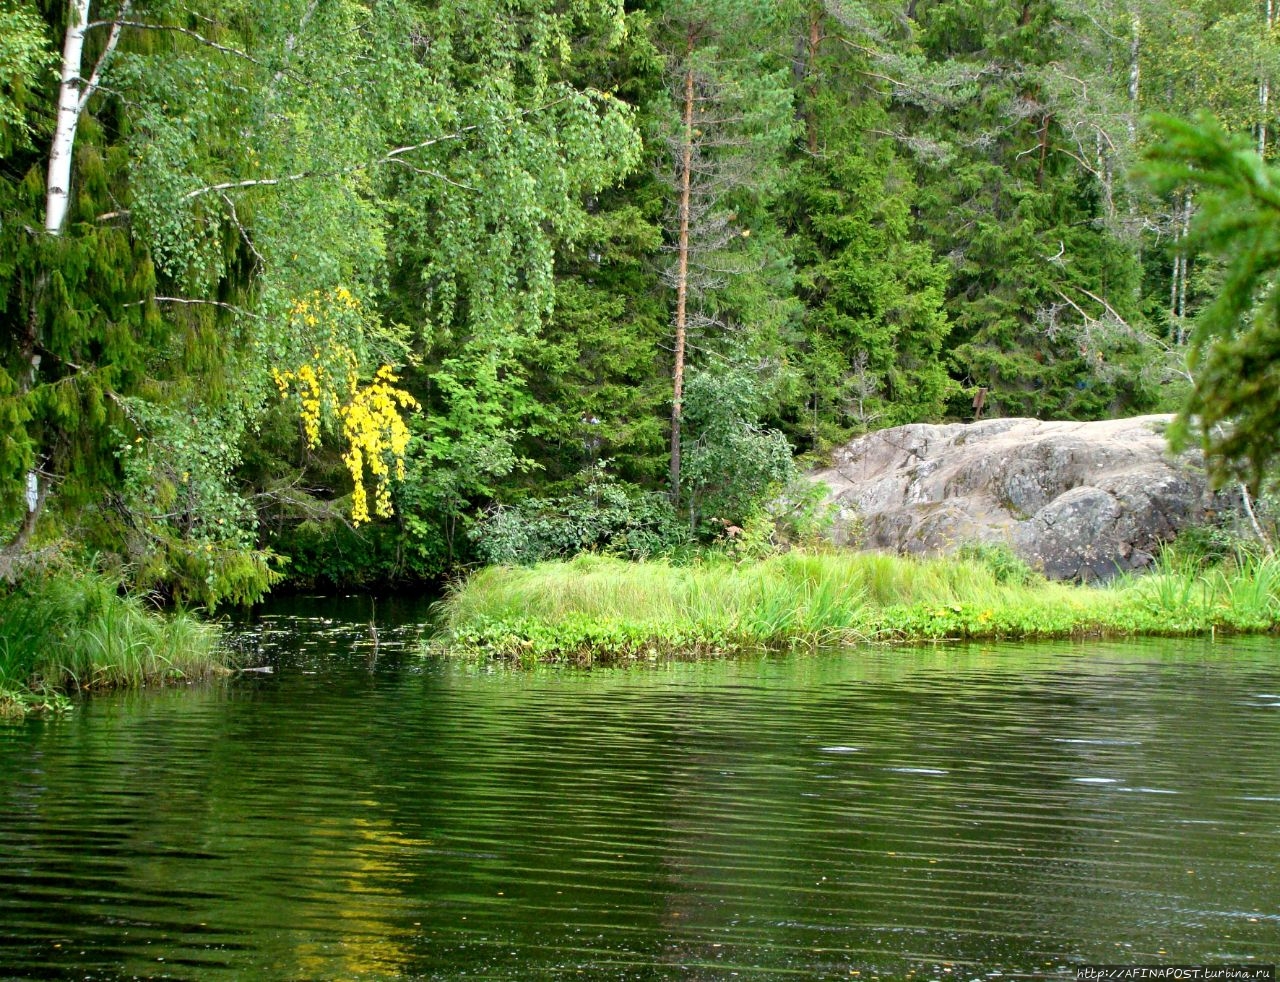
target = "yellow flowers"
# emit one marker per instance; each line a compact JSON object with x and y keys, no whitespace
{"x":373,"y":430}
{"x":313,"y":391}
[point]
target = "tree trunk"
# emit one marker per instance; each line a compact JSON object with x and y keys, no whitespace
{"x":1044,"y":149}
{"x":1186,"y":260}
{"x":682,"y":271}
{"x":58,"y":184}
{"x":814,"y":40}
{"x":11,"y":554}
{"x":1264,"y":87}
{"x":1135,"y":72}
{"x":74,"y":91}
{"x":1181,"y":269}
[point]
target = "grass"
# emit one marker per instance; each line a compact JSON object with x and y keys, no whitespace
{"x":61,"y":632}
{"x":595,"y":609}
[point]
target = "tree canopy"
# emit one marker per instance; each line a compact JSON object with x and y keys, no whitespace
{"x":323,"y":288}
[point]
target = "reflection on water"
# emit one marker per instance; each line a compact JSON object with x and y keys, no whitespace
{"x":995,"y":811}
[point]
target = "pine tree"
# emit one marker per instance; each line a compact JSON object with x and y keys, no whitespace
{"x":1023,"y":221}
{"x":729,"y":120}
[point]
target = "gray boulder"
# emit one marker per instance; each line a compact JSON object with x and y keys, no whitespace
{"x":1078,"y":501}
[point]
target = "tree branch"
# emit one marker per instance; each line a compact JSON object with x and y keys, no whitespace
{"x":390,"y":157}
{"x":144,"y":26}
{"x":244,"y":232}
{"x":112,"y":40}
{"x":210,"y":303}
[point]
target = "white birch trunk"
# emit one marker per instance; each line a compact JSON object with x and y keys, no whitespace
{"x":682,"y":273}
{"x":73,"y":95}
{"x":1185,"y":271}
{"x":1264,"y":88}
{"x":1135,"y":72}
{"x":58,"y":185}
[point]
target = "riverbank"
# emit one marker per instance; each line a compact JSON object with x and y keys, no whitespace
{"x":599,"y":610}
{"x":63,"y":632}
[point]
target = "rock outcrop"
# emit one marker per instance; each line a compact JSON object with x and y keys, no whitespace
{"x":1078,"y":501}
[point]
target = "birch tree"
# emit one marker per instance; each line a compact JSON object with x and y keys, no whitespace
{"x":1234,"y":407}
{"x":208,"y":177}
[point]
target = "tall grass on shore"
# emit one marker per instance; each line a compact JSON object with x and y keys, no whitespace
{"x":599,"y":609}
{"x":60,"y":631}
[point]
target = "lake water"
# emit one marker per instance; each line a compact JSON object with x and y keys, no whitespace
{"x":994,"y":811}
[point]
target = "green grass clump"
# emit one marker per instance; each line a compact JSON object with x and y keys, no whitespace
{"x":596,"y":609}
{"x":61,"y":631}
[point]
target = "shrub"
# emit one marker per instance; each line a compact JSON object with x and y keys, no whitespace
{"x":607,"y":516}
{"x":1003,"y":563}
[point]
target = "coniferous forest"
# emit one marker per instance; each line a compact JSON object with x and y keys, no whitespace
{"x":351,"y":292}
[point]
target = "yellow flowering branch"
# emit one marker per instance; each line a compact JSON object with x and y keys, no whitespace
{"x":373,"y":428}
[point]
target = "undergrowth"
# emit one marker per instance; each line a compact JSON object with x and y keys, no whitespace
{"x":63,"y":631}
{"x":596,"y":609}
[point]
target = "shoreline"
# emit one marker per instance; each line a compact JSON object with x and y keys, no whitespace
{"x":596,"y":610}
{"x":73,"y":631}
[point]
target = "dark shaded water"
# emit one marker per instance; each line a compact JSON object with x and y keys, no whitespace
{"x":946,"y":813}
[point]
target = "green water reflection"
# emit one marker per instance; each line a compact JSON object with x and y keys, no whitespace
{"x":939,"y":813}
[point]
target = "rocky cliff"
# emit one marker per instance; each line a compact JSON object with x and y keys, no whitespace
{"x":1079,"y":501}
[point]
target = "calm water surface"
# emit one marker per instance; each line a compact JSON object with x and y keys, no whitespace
{"x":949,"y":813}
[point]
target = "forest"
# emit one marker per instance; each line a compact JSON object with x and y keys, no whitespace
{"x":355,"y":292}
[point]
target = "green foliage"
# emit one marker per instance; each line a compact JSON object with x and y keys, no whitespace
{"x":874,"y":324}
{"x":1006,"y":566}
{"x":475,"y":270}
{"x":1235,"y":350}
{"x":425,"y":160}
{"x":24,"y":55}
{"x":596,"y":609}
{"x":888,"y":210}
{"x":602,"y":516}
{"x":70,"y":628}
{"x":176,"y":519}
{"x":1225,"y":540}
{"x":732,"y":463}
{"x":596,"y":370}
{"x":1024,"y":209}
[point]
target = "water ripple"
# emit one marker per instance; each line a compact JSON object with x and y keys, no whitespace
{"x":886,"y":813}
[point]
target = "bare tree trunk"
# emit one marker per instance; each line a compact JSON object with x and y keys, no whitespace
{"x":1186,"y":260}
{"x":11,"y":554}
{"x":815,"y":39}
{"x":1135,"y":108}
{"x":1135,"y":70}
{"x":682,"y":271}
{"x":1181,"y":268}
{"x":74,"y":92}
{"x":1247,"y":500}
{"x":1264,"y":88}
{"x":1044,"y":149}
{"x":58,"y":185}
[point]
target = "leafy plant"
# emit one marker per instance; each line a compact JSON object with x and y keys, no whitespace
{"x":605,"y":516}
{"x":1004,"y":564}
